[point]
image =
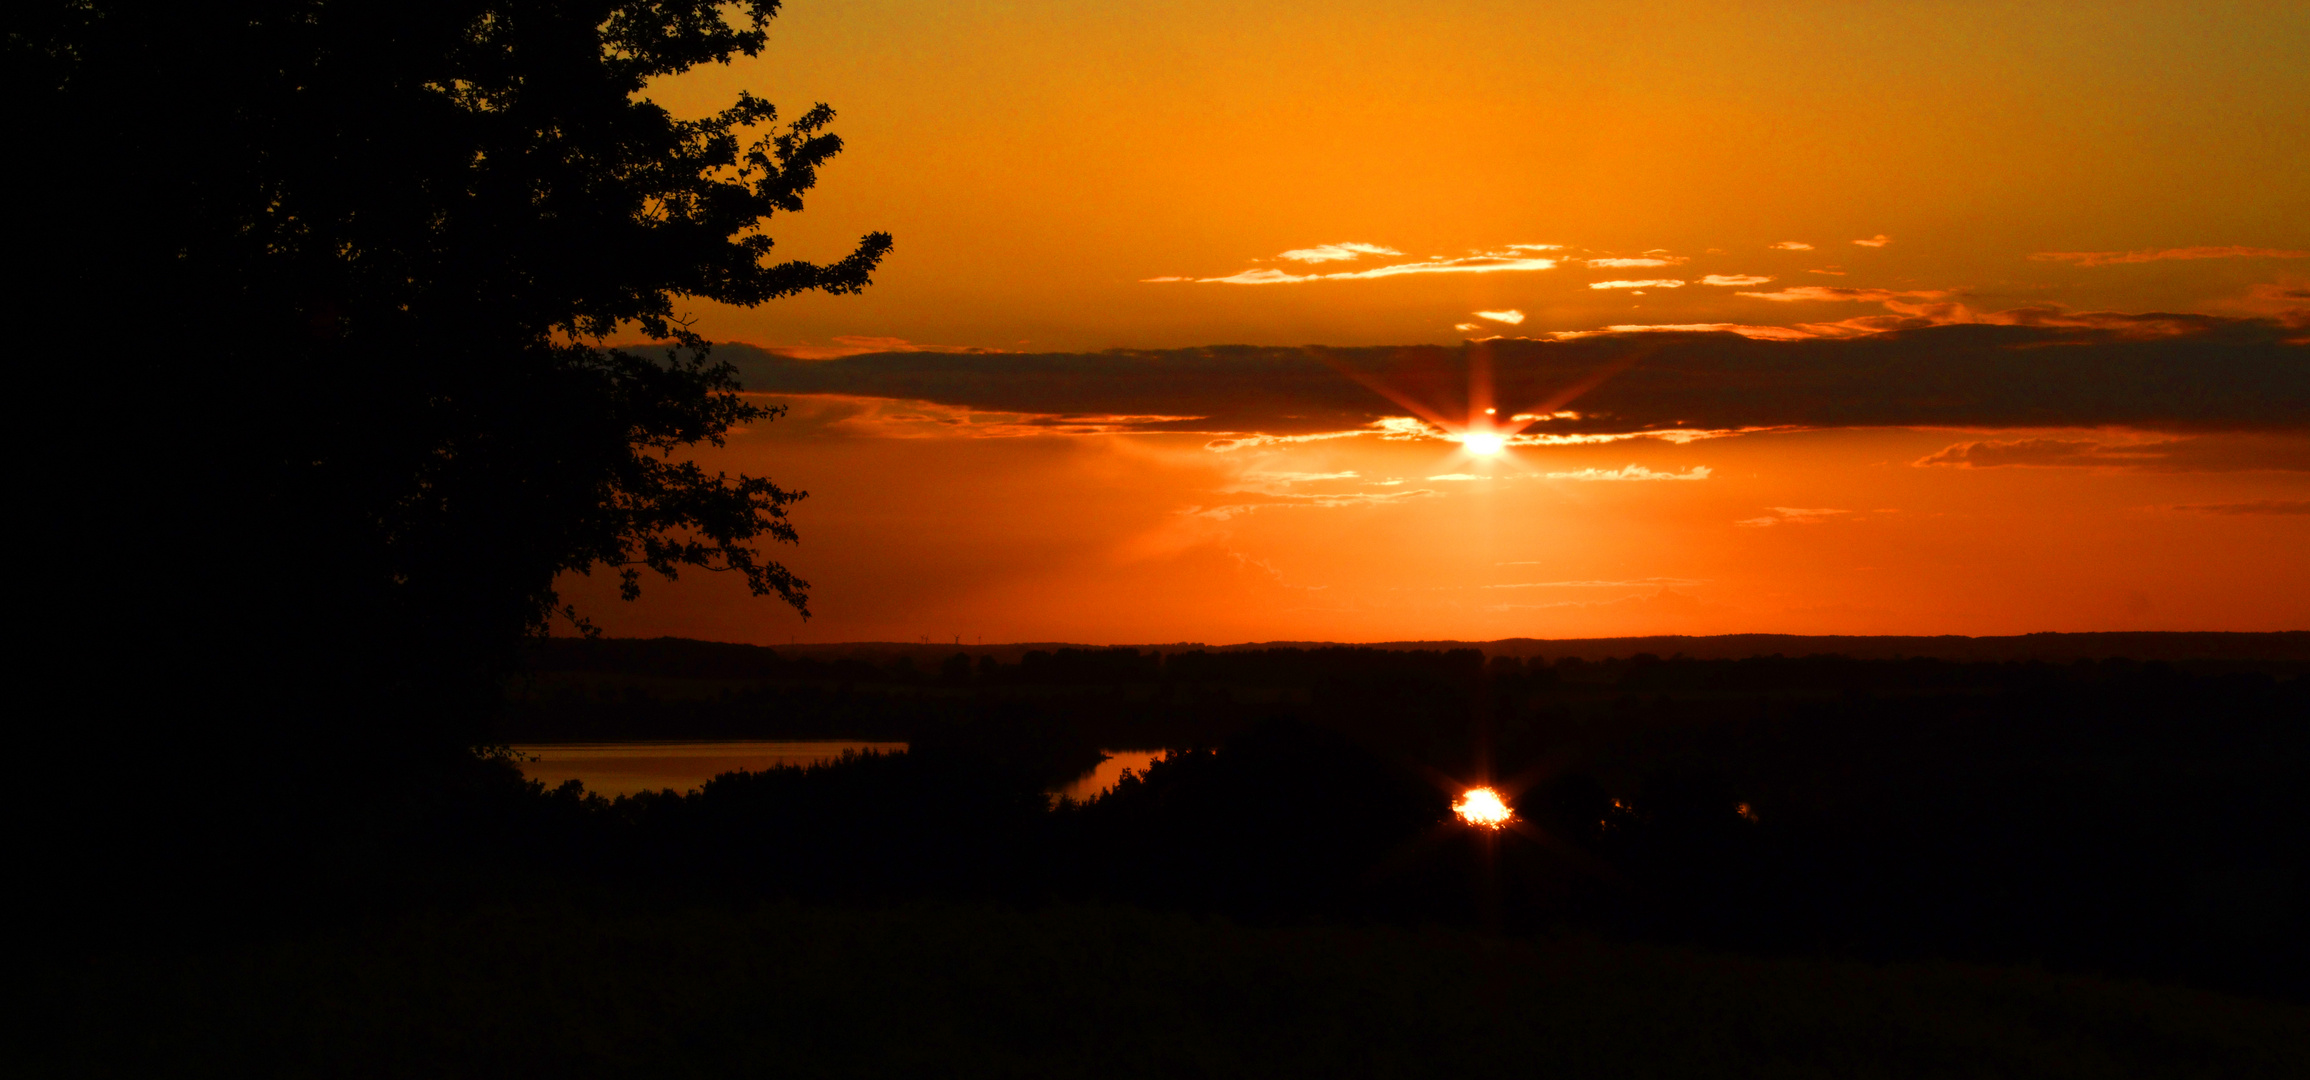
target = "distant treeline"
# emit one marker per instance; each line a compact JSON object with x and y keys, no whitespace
{"x":1296,"y":664}
{"x":2283,"y":651}
{"x":577,"y":689}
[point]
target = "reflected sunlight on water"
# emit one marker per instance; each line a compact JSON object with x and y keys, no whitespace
{"x":614,"y":769}
{"x":1483,"y":808}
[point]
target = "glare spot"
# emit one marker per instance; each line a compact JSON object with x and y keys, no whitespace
{"x":1482,"y":808}
{"x":1484,"y":443}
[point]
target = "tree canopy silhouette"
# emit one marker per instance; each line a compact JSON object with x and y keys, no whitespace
{"x":391,"y":237}
{"x":316,"y":336}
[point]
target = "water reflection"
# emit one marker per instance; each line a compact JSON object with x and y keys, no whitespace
{"x":1103,"y":777}
{"x":628,"y":768}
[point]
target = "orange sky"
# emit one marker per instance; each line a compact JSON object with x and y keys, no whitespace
{"x":1368,"y":174}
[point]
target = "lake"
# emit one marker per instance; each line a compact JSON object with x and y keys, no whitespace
{"x":613,"y":769}
{"x":628,"y":768}
{"x":1104,"y":776}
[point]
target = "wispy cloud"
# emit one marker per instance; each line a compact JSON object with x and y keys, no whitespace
{"x":887,"y":418}
{"x":1792,"y":245}
{"x":1511,"y":316}
{"x":2151,"y":454}
{"x":2112,"y":258}
{"x":1792,"y":515}
{"x":1301,"y":477}
{"x":1638,"y":583}
{"x":2287,"y":298}
{"x":1758,"y":333}
{"x":1246,"y":442}
{"x":1879,"y":240}
{"x":1650,"y":260}
{"x":1656,"y":283}
{"x":1509,"y":258}
{"x":1736,"y":279}
{"x":1632,"y":472}
{"x":1796,"y":293}
{"x":861,"y":345}
{"x":1319,"y":502}
{"x":2257,"y":506}
{"x":1336,"y":252}
{"x":2001,"y":453}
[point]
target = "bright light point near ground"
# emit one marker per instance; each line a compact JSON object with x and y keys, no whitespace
{"x":1484,"y":444}
{"x":1482,"y":808}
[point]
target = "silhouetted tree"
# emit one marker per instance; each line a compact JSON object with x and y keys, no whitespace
{"x":313,"y":342}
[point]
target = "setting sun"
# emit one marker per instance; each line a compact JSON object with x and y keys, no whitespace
{"x":1483,"y":808}
{"x":1484,"y":444}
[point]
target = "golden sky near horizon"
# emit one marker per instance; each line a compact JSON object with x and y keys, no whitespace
{"x":1073,"y":177}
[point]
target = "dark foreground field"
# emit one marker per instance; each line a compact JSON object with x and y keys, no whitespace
{"x":942,"y":990}
{"x":1785,"y":866}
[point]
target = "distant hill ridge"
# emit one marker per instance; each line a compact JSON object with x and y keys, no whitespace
{"x":2290,"y":646}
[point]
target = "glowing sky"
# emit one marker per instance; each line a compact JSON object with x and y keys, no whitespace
{"x":1926,"y":233}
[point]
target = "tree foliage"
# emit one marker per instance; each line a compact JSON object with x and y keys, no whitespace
{"x":314,"y":403}
{"x":348,"y":268}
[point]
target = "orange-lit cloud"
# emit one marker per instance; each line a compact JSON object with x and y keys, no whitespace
{"x":1300,"y":477}
{"x":2288,"y":299}
{"x":1656,"y":283}
{"x":2141,"y":453}
{"x":1678,"y":436}
{"x":1247,"y":502}
{"x":1760,"y":333}
{"x":1631,"y":472}
{"x":1336,"y":252}
{"x":1512,"y":258}
{"x":859,"y":345}
{"x":1792,"y":245}
{"x":1246,"y":442}
{"x":1736,"y":279}
{"x":1792,"y":515}
{"x":1511,"y":316}
{"x":1637,"y":583}
{"x":2257,"y":506}
{"x":1821,"y":293}
{"x":1877,"y":241}
{"x":886,"y":418}
{"x":1649,"y":260}
{"x":2113,"y":258}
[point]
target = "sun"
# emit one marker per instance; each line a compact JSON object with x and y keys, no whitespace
{"x":1484,"y":443}
{"x":1483,"y":808}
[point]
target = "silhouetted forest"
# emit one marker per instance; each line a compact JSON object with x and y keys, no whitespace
{"x":2124,"y":818}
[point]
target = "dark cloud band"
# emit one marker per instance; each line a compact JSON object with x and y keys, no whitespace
{"x":2184,"y":374}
